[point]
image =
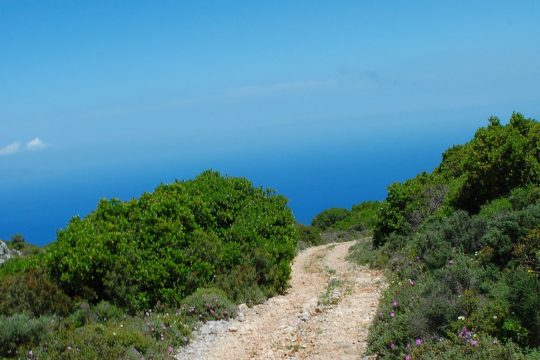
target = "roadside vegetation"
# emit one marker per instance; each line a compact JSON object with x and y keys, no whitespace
{"x":462,"y":250}
{"x":339,"y":224}
{"x":132,"y":279}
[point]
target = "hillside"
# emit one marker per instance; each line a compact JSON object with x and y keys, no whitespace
{"x":461,"y":246}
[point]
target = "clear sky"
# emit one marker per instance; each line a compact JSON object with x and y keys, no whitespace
{"x":325,"y":101}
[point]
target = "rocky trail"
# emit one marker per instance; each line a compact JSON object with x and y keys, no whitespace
{"x":325,"y":314}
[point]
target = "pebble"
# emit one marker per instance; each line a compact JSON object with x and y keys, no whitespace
{"x":304,"y":316}
{"x":242,"y":308}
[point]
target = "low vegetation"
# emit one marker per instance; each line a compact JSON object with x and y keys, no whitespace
{"x":462,"y":250}
{"x":132,"y":279}
{"x":339,"y":224}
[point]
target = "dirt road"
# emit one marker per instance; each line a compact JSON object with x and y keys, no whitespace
{"x":324,"y":315}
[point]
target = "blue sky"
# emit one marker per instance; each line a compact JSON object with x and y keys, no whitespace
{"x":328,"y":102}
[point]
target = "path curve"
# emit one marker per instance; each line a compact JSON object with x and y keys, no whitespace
{"x":325,"y":314}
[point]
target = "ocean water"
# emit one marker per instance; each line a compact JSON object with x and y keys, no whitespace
{"x":313,"y":178}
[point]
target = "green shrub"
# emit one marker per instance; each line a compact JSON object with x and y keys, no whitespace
{"x":362,"y":217}
{"x":161,"y":247}
{"x":307,"y":236}
{"x":498,"y":160}
{"x":523,"y":297}
{"x":208,"y":304}
{"x":21,"y":329}
{"x":463,"y":248}
{"x":329,"y":217}
{"x":104,"y":331}
{"x":483,"y":348}
{"x":32,"y":292}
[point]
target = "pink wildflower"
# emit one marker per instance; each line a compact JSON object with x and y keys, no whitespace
{"x":392,"y":314}
{"x":418,"y":342}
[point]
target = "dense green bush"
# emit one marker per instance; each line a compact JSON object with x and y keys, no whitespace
{"x":497,"y":160}
{"x":362,"y":217}
{"x":166,"y":244}
{"x":329,"y":217}
{"x":463,"y":248}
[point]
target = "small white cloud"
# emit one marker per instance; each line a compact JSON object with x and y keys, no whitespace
{"x":11,"y":149}
{"x":35,"y":144}
{"x":18,"y":147}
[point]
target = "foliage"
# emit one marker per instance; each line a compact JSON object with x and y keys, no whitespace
{"x":18,"y":265}
{"x":329,"y":217}
{"x":32,"y":292}
{"x":163,"y":246}
{"x":462,"y":250}
{"x":19,"y":244}
{"x":208,"y":304}
{"x":308,"y":236}
{"x":497,"y":160}
{"x":361,"y":217}
{"x":20,"y":329}
{"x":104,"y":331}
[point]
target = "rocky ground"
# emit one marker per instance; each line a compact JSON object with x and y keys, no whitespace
{"x":324,"y":315}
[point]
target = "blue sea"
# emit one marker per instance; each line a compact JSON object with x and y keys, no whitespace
{"x":337,"y":170}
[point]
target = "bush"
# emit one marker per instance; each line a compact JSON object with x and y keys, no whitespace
{"x":523,"y":297}
{"x":21,"y":329}
{"x":329,"y":217}
{"x":307,"y":236}
{"x":32,"y":292}
{"x":208,"y":304}
{"x":362,"y":217}
{"x":105,"y":331}
{"x":161,"y":247}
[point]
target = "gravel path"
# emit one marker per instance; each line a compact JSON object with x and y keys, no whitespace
{"x":324,"y":315}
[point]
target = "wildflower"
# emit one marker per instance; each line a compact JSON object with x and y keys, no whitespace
{"x":170,"y":349}
{"x":474,"y":343}
{"x":412,"y":282}
{"x":394,"y":303}
{"x":392,"y":314}
{"x":494,"y":317}
{"x":465,"y":333}
{"x":393,"y":346}
{"x":418,"y":342}
{"x":450,"y":262}
{"x":407,"y":357}
{"x":461,"y":317}
{"x":69,"y":348}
